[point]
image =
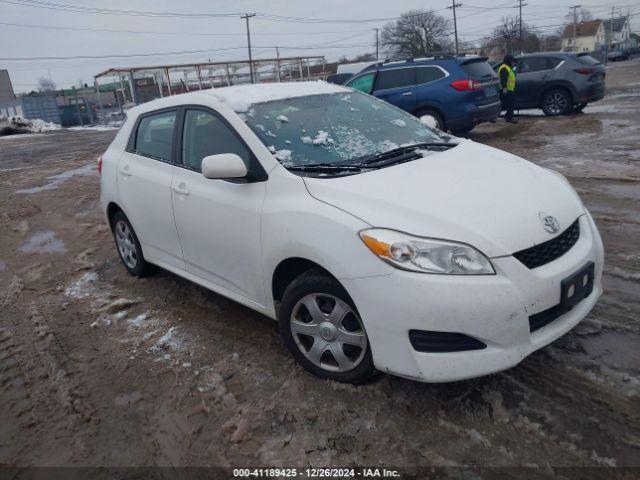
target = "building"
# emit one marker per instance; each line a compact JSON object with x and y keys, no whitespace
{"x":618,"y":33}
{"x":8,"y":103}
{"x":587,"y":37}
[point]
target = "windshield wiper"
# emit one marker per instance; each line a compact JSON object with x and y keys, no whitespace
{"x":324,"y":167}
{"x":401,"y":154}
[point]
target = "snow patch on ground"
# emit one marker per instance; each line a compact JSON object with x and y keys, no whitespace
{"x":139,"y":320}
{"x":56,"y":180}
{"x":95,"y":128}
{"x":43,"y":242}
{"x":83,"y":286}
{"x":18,"y":125}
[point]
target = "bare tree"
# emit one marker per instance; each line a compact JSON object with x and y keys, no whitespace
{"x":46,"y":84}
{"x":505,"y":38}
{"x":416,"y":33}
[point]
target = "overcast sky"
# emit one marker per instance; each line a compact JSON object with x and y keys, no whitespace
{"x":332,"y":39}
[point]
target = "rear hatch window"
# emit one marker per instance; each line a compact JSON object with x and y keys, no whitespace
{"x":588,"y":60}
{"x":478,"y":70}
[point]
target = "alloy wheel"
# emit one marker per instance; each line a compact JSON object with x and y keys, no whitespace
{"x":556,"y":103}
{"x":328,"y":332}
{"x":126,"y":244}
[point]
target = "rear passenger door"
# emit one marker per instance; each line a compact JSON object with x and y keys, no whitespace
{"x":398,"y":87}
{"x":145,"y":172}
{"x":532,"y":73}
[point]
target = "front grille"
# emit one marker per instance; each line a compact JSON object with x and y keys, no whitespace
{"x":550,"y":250}
{"x":440,"y":342}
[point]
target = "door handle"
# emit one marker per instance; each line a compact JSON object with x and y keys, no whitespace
{"x":406,"y":94}
{"x":181,"y":189}
{"x":125,"y":170}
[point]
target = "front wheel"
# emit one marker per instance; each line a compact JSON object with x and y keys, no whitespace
{"x":321,"y":328}
{"x":578,"y":107}
{"x":556,"y":102}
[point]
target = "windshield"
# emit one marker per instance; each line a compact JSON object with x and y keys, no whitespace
{"x":334,"y":128}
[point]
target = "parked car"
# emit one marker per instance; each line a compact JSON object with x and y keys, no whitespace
{"x":449,"y":93}
{"x":378,"y":243}
{"x":558,"y":82}
{"x":618,"y":55}
{"x":339,"y":78}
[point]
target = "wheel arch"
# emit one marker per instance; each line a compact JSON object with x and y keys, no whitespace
{"x":112,"y":209}
{"x":288,"y":270}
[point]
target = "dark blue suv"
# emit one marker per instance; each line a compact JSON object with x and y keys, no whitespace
{"x":450,"y":93}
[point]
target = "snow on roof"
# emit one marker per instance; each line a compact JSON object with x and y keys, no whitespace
{"x":240,"y":98}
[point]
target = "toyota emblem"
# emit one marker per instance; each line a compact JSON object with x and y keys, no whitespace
{"x":549,"y":222}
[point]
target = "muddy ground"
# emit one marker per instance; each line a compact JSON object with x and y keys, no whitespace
{"x":99,"y":368}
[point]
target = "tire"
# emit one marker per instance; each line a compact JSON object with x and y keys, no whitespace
{"x":432,"y":119}
{"x":320,"y":326}
{"x":556,"y":101}
{"x":578,"y":107}
{"x":128,"y":247}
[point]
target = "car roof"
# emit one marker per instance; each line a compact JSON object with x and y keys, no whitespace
{"x":240,"y":98}
{"x":417,"y":62}
{"x":547,"y":54}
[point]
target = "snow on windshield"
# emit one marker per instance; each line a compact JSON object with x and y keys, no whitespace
{"x":334,"y":128}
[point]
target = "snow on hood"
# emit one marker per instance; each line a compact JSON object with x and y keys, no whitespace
{"x":472,"y":193}
{"x":240,"y":98}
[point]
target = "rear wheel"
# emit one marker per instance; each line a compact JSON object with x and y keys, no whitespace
{"x":556,"y":102}
{"x":129,"y":247}
{"x":432,"y":119}
{"x":322,"y":329}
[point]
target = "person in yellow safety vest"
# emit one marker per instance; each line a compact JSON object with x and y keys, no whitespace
{"x":508,"y":87}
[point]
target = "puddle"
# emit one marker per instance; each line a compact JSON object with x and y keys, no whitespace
{"x":624,"y":191}
{"x":3,"y":265}
{"x":44,"y":242}
{"x":56,"y":180}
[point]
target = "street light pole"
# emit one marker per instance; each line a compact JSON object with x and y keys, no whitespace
{"x":377,"y":50}
{"x":247,"y":16}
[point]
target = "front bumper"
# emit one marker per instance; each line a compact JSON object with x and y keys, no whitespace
{"x":494,"y":309}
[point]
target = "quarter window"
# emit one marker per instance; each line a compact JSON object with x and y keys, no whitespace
{"x":154,"y":137}
{"x":205,"y":134}
{"x":363,"y":83}
{"x":395,"y":78}
{"x":428,"y":74}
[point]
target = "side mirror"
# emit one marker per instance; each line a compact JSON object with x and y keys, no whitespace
{"x":223,"y":166}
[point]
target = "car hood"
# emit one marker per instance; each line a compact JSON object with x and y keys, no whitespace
{"x":471,"y":193}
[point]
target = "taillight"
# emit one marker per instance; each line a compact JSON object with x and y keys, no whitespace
{"x":100,"y":165}
{"x":585,"y":70}
{"x":466,"y":85}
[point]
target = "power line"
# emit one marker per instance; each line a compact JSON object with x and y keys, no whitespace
{"x":149,"y":32}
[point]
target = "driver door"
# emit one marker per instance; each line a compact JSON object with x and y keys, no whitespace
{"x":218,"y":221}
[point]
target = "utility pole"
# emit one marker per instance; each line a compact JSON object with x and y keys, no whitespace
{"x":520,"y":5}
{"x":608,"y":37}
{"x":247,"y":16}
{"x":575,"y":23}
{"x":453,"y":7}
{"x":377,"y":43}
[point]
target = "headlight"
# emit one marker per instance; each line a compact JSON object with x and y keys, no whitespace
{"x":424,"y":254}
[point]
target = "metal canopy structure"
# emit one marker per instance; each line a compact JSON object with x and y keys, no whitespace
{"x":143,"y":83}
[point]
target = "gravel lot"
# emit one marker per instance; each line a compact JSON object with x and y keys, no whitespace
{"x":99,"y":368}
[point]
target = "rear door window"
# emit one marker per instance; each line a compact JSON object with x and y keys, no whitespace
{"x":479,"y":70}
{"x":533,"y":64}
{"x":363,"y":83}
{"x":554,"y":62}
{"x":428,"y":74}
{"x":154,"y":137}
{"x":396,"y":78}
